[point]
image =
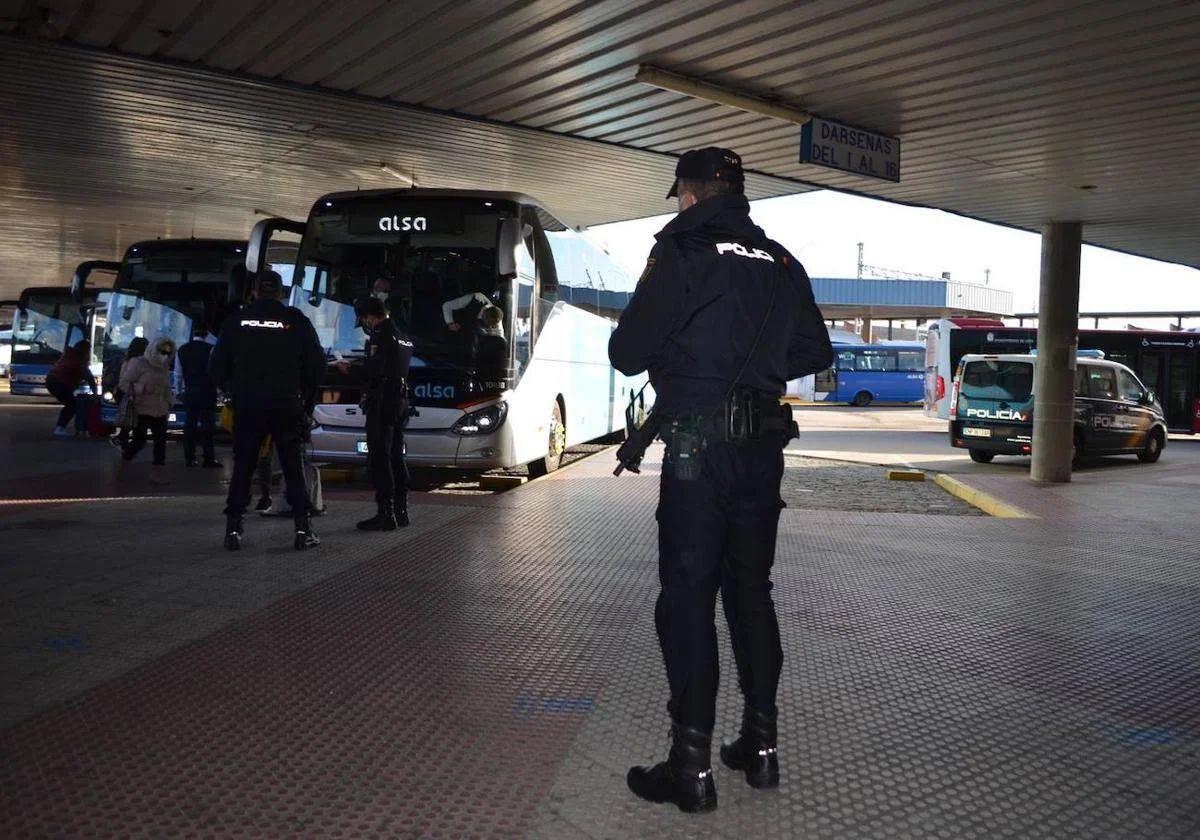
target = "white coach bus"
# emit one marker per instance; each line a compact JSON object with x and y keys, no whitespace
{"x":488,"y":394}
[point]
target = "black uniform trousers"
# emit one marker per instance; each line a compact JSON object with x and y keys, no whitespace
{"x":717,"y":533}
{"x":385,"y":454}
{"x":201,"y":414}
{"x":255,"y":417}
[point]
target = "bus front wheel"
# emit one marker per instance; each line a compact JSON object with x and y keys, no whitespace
{"x":862,"y":398}
{"x":556,"y":445}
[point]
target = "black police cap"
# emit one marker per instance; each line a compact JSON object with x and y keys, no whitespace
{"x":708,"y":164}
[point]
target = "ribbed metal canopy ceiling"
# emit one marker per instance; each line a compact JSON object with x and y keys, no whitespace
{"x":193,"y":113}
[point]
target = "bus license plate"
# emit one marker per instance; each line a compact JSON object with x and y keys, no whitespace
{"x":362,"y":447}
{"x":971,"y":432}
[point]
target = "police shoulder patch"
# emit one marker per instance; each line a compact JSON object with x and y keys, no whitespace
{"x":647,"y":271}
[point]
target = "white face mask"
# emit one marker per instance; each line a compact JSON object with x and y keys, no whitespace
{"x":380,"y":295}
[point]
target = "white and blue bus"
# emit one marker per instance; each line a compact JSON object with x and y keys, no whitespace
{"x":164,"y":287}
{"x":441,"y":257}
{"x":863,"y":374}
{"x":47,"y":319}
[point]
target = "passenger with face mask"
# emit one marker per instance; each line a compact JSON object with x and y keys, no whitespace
{"x":147,"y":381}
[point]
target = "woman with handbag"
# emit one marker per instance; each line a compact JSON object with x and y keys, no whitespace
{"x":126,"y":411}
{"x":147,"y":380}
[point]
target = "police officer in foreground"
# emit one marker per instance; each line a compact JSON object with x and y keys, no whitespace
{"x":385,"y":400}
{"x":722,"y":318}
{"x":270,"y":360}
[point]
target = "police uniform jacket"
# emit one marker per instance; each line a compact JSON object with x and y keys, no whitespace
{"x":704,"y":293}
{"x":268,"y":351}
{"x":386,"y":373}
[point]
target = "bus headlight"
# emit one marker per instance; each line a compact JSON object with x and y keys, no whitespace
{"x":481,"y":422}
{"x":108,"y":396}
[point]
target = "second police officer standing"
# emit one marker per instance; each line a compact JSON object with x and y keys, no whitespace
{"x":385,"y":400}
{"x":722,"y":318}
{"x":271,"y":362}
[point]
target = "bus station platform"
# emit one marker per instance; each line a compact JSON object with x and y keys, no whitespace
{"x":492,"y":671}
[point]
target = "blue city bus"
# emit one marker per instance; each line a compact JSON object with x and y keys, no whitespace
{"x":869,"y":373}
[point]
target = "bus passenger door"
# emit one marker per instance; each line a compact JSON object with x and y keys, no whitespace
{"x":1177,"y":402}
{"x":825,"y":385}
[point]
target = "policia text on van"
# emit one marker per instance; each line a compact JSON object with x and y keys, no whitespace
{"x":991,"y":409}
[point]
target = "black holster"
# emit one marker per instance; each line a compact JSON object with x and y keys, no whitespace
{"x":749,"y":415}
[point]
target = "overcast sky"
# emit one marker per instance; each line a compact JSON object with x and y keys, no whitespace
{"x":823,"y":228}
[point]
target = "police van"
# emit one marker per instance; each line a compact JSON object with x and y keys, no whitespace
{"x":991,"y":409}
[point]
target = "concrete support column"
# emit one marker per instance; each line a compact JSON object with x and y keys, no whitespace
{"x":1057,"y":343}
{"x":865,"y":332}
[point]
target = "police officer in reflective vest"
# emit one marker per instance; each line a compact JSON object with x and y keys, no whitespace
{"x":385,"y":400}
{"x":270,"y":360}
{"x":722,"y":318}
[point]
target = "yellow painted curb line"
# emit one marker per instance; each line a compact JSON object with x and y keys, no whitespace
{"x":499,"y":483}
{"x":984,"y":501}
{"x":905,"y":475}
{"x":336,"y":474}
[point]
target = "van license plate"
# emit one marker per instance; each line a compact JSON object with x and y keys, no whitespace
{"x":972,"y":432}
{"x":362,"y":447}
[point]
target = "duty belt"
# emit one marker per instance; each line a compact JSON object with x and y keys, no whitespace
{"x":746,"y":416}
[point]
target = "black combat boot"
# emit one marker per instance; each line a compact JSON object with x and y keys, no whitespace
{"x":383,"y":520}
{"x":685,"y":778}
{"x":233,"y":531}
{"x":400,"y":508}
{"x":754,"y":753}
{"x":306,"y":537}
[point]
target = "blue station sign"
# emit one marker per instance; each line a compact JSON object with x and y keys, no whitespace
{"x":838,"y":146}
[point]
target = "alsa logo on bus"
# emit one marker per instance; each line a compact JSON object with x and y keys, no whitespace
{"x":403,"y":224}
{"x":425,"y":391}
{"x":1000,"y":414}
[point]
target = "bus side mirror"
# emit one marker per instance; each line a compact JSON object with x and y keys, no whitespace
{"x":506,"y":256}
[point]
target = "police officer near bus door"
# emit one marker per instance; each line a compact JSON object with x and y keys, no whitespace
{"x":722,"y":318}
{"x":385,"y":401}
{"x":270,"y":360}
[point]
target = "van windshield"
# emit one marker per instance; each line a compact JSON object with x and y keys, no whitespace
{"x":997,"y":380}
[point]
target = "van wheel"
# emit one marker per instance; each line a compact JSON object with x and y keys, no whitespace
{"x":862,"y":398}
{"x":981,"y":457}
{"x":1077,"y":451}
{"x":556,"y":445}
{"x":1153,"y":448}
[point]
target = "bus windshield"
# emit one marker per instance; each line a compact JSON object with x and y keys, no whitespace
{"x":431,"y":260}
{"x":45,"y":324}
{"x":191,"y":281}
{"x":128,"y":317}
